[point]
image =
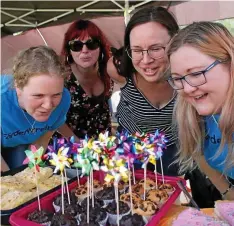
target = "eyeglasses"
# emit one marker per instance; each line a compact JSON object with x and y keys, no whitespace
{"x":76,"y":45}
{"x":154,"y":52}
{"x":194,"y":79}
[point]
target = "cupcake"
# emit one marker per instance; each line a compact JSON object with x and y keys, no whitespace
{"x":121,"y":186}
{"x":145,"y":208}
{"x":127,"y":199}
{"x":98,"y":203}
{"x":138,"y":189}
{"x":73,"y":210}
{"x":107,"y":195}
{"x":58,"y":201}
{"x":132,"y":220}
{"x":111,"y":209}
{"x":168,"y":188}
{"x":60,"y":219}
{"x":96,"y":215}
{"x":150,"y":184}
{"x":81,"y":192}
{"x":96,"y":186}
{"x":42,"y":217}
{"x":157,"y":196}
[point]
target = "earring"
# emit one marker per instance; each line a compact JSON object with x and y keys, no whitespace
{"x":69,"y":59}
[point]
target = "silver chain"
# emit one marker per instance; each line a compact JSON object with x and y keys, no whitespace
{"x":32,"y":125}
{"x":215,"y":120}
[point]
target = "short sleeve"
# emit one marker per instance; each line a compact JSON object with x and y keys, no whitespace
{"x":62,"y":110}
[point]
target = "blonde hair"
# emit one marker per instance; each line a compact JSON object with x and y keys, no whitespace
{"x":214,"y":40}
{"x":35,"y":61}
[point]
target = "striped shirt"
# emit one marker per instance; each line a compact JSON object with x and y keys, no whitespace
{"x":136,"y":114}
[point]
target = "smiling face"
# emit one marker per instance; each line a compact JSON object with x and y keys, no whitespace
{"x":143,"y":37}
{"x":85,"y":58}
{"x":41,"y":95}
{"x":208,"y":98}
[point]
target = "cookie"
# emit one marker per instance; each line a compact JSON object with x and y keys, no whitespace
{"x":138,"y":189}
{"x":150,"y":184}
{"x":167,"y":187}
{"x":157,"y":196}
{"x":145,"y":208}
{"x":126,"y":198}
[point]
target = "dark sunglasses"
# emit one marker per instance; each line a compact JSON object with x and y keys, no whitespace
{"x":76,"y":45}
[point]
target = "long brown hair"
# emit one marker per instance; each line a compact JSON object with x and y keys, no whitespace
{"x":214,"y":40}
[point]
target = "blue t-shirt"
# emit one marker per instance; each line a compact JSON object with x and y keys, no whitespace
{"x":15,"y":128}
{"x":212,"y":143}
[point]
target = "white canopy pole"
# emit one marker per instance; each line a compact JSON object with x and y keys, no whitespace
{"x":126,"y":12}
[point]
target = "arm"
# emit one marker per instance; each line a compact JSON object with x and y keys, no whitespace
{"x":67,"y":132}
{"x":4,"y":166}
{"x":219,"y":180}
{"x":112,"y":72}
{"x":44,"y":140}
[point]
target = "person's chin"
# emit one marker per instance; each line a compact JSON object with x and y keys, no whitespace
{"x":204,"y":111}
{"x":153,"y":78}
{"x":42,"y":118}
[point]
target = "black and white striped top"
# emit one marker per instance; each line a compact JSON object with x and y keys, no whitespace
{"x":136,"y":114}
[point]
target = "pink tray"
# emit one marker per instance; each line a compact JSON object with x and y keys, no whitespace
{"x":19,"y":218}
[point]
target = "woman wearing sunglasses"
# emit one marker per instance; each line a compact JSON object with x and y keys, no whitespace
{"x":86,"y":51}
{"x":147,"y":100}
{"x":202,"y":71}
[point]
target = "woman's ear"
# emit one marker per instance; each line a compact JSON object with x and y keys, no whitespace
{"x":17,"y":89}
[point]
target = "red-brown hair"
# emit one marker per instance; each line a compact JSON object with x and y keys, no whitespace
{"x":81,"y":29}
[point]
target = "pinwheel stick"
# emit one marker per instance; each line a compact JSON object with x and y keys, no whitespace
{"x":88,"y":187}
{"x":162,"y":169}
{"x":68,"y":195}
{"x":130,"y":187}
{"x":78,"y":178}
{"x":156,"y":176}
{"x":38,"y":195}
{"x":116,"y":186}
{"x":145,"y":169}
{"x":92,"y":193}
{"x":62,"y":194}
{"x":133,"y":174}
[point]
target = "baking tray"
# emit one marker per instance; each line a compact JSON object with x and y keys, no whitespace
{"x":5,"y":214}
{"x":20,"y":217}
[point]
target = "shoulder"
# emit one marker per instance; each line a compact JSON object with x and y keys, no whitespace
{"x":113,"y":73}
{"x":6,"y":83}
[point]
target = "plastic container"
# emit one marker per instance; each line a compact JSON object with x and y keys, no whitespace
{"x":5,"y":214}
{"x":20,"y":216}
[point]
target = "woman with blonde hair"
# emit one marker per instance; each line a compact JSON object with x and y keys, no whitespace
{"x":34,"y":103}
{"x":202,"y":71}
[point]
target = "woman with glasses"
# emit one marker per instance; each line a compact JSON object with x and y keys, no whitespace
{"x":202,"y":71}
{"x":147,"y":100}
{"x":86,"y":51}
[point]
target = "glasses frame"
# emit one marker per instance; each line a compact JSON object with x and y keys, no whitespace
{"x":203,"y":72}
{"x":142,"y":54}
{"x":87,"y":43}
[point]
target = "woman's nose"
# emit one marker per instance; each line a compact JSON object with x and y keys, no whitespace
{"x":188,"y":88}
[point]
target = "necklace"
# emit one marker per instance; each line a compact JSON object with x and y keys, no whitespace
{"x":215,"y":120}
{"x":32,"y":125}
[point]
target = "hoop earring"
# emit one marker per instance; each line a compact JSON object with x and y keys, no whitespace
{"x":69,"y":59}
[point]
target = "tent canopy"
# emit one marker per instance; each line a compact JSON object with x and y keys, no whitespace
{"x":19,"y":16}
